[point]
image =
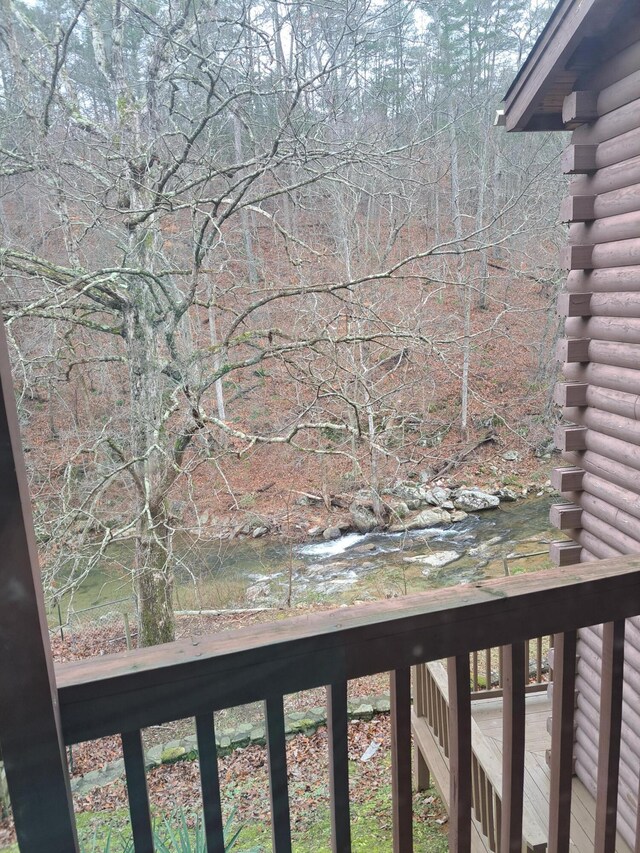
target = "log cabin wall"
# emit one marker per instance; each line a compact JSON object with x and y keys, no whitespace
{"x":601,"y":365}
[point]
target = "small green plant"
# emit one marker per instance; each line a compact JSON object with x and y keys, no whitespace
{"x":105,"y":845}
{"x":174,"y":835}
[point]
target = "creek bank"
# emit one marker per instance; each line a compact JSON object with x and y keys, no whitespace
{"x":410,"y":505}
{"x":393,"y":509}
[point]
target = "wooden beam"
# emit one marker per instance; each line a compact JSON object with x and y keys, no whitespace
{"x":574,"y":304}
{"x":578,"y":208}
{"x":573,"y":349}
{"x":580,"y":107}
{"x":30,"y":738}
{"x":621,"y":253}
{"x":566,"y":516}
{"x":621,"y":328}
{"x":564,"y":553}
{"x":570,"y":393}
{"x":567,"y":479}
{"x":570,"y":438}
{"x":577,"y":257}
{"x":615,"y":123}
{"x":614,"y":425}
{"x":625,"y":380}
{"x":579,"y":159}
{"x":610,"y":229}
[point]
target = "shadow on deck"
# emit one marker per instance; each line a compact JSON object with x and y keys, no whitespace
{"x":430,"y":726}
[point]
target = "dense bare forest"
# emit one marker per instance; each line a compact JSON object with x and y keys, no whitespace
{"x":267,"y":241}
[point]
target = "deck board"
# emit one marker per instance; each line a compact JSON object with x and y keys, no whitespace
{"x":488,"y":716}
{"x":487,"y":719}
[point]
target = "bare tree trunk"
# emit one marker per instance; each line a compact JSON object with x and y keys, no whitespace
{"x":154,"y":579}
{"x":483,"y":265}
{"x":247,"y":239}
{"x":218,"y":356}
{"x":462,"y":283}
{"x":374,"y":478}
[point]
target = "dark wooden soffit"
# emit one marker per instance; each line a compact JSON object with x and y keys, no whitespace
{"x":578,"y":36}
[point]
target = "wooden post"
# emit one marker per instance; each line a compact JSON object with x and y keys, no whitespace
{"x":30,"y":738}
{"x":337,"y":730}
{"x":459,"y":679}
{"x":513,"y":737}
{"x":401,"y":800}
{"x":609,"y":736}
{"x":562,"y":735}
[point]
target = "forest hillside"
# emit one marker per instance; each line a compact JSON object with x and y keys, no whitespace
{"x":259,"y":257}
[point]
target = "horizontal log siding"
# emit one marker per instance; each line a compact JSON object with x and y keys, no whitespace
{"x":614,"y":280}
{"x":606,"y":234}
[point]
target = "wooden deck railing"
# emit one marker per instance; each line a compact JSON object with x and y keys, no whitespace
{"x":487,"y":669}
{"x":127,"y":692}
{"x":431,"y":708}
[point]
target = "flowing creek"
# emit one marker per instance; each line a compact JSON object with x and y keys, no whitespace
{"x":261,"y":572}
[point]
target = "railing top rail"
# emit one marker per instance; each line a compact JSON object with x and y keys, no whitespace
{"x":106,"y":695}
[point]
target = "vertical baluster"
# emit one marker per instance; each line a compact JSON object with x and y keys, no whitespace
{"x":210,"y":783}
{"x":438,"y":712}
{"x":539,"y":660}
{"x":475,"y":784}
{"x":609,"y":736}
{"x":562,"y":715}
{"x":475,"y":670}
{"x":513,"y":728}
{"x":337,"y":720}
{"x":421,"y":774}
{"x":487,"y":668}
{"x":417,"y":673}
{"x":491,"y":817}
{"x":500,"y":667}
{"x":401,"y":761}
{"x":445,"y":721}
{"x":484,"y":813}
{"x":459,"y":679}
{"x":278,"y":788}
{"x":430,"y":707}
{"x":137,"y":790}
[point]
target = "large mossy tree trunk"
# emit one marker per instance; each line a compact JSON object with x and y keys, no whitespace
{"x":152,"y":467}
{"x":154,"y":581}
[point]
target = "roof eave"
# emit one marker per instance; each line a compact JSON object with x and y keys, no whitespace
{"x":571,"y":23}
